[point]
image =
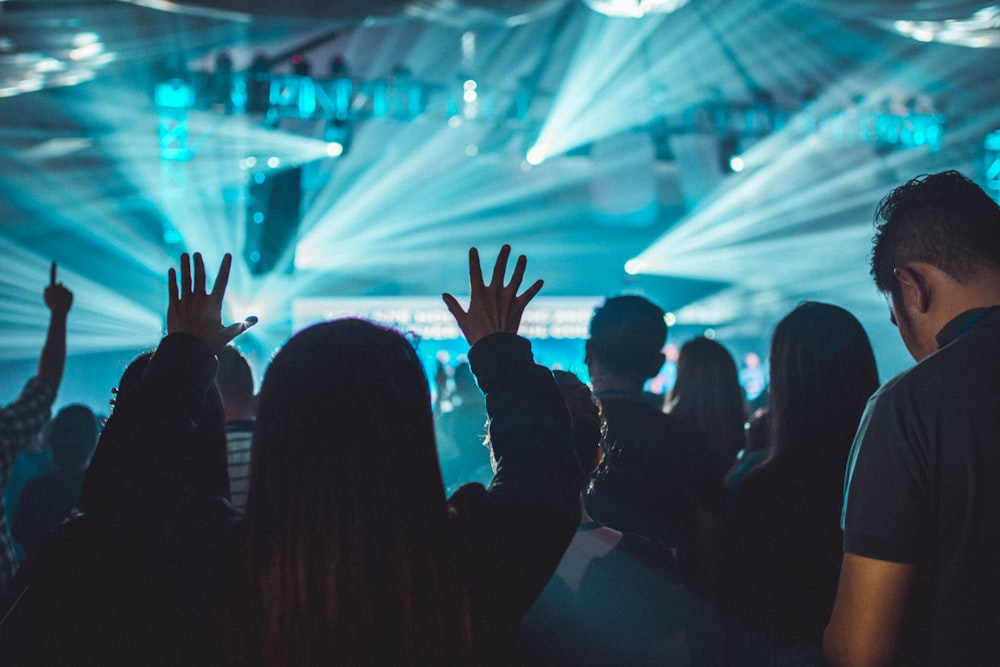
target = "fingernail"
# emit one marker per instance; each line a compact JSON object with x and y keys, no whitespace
{"x":250,"y":321}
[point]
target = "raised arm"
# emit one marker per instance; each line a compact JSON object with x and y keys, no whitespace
{"x":155,"y":427}
{"x":21,"y":420}
{"x":53,"y":359}
{"x":514,"y":533}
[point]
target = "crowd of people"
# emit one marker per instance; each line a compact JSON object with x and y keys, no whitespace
{"x":323,"y":520}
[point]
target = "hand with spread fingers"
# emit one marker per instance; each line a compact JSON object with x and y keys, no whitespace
{"x":495,"y":307}
{"x":193,"y":310}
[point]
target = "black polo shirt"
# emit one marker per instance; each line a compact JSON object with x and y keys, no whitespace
{"x":923,"y":487}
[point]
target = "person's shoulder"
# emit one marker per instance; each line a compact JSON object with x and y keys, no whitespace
{"x":34,"y":486}
{"x":929,"y":377}
{"x":632,"y":409}
{"x":239,"y":428}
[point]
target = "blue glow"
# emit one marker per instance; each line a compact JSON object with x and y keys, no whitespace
{"x":403,"y":200}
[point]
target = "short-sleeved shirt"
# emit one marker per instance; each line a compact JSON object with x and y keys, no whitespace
{"x":923,"y":487}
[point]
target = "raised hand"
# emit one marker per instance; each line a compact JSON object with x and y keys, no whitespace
{"x":57,"y":297}
{"x":193,"y":310}
{"x":495,"y":307}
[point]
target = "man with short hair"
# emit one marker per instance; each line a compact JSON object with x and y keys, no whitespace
{"x":920,"y":580}
{"x":658,"y":477}
{"x":21,"y":420}
{"x":48,"y":500}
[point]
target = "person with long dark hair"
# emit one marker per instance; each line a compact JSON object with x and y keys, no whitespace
{"x":779,"y":575}
{"x":707,"y":395}
{"x":354,"y":555}
{"x":349,"y":552}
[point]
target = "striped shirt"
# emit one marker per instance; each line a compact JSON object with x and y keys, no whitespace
{"x":238,"y":436}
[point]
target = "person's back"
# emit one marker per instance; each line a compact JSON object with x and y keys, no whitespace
{"x":129,"y":580}
{"x":947,"y":403}
{"x":920,"y":579}
{"x":48,"y":500}
{"x":658,"y":473}
{"x":353,"y":554}
{"x":616,"y":598}
{"x":779,"y":575}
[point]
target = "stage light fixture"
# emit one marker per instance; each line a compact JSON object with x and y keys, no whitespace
{"x":634,"y":8}
{"x":535,"y":156}
{"x":338,"y":135}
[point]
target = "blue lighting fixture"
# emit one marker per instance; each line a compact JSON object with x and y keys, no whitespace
{"x":273,"y":215}
{"x":991,"y":164}
{"x":634,"y":8}
{"x":338,"y":135}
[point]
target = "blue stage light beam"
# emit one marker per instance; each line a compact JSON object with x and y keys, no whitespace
{"x":421,"y":190}
{"x":605,"y":48}
{"x":101,"y":319}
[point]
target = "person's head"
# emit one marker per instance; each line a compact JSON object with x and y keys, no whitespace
{"x":346,"y":506}
{"x":118,"y":461}
{"x":939,"y":230}
{"x":345,"y":408}
{"x":590,"y":429}
{"x":627,"y":335}
{"x":707,"y":393}
{"x":235,"y":382}
{"x":131,"y":376}
{"x":72,"y":437}
{"x":822,"y":373}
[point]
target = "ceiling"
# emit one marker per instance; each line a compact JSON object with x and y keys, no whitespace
{"x":627,"y":117}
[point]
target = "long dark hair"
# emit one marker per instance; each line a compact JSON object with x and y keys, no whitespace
{"x":708,"y":395}
{"x":119,"y":459}
{"x":346,"y":515}
{"x":822,"y":373}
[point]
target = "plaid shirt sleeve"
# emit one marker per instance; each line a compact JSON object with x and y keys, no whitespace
{"x":21,"y":421}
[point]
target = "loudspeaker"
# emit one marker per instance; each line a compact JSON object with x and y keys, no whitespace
{"x":273,"y":207}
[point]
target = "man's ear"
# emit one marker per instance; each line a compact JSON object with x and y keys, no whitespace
{"x":914,"y":284}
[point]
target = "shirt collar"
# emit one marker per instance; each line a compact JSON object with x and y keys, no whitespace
{"x":959,"y":325}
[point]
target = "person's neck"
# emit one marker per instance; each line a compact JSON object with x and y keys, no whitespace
{"x":955,"y":298}
{"x":239,"y":414}
{"x":608,"y":385}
